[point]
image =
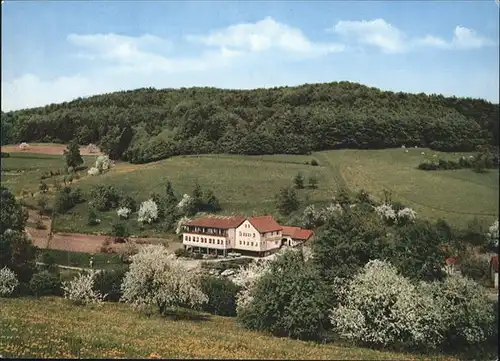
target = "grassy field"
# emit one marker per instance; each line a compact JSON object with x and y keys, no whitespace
{"x":79,"y":259}
{"x":247,"y":185}
{"x":50,"y":327}
{"x":21,"y":171}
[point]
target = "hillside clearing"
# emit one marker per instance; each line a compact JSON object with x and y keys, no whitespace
{"x":50,"y":327}
{"x":248,"y":185}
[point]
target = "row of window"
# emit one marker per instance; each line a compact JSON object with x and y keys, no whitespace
{"x":247,"y":234}
{"x":206,"y":240}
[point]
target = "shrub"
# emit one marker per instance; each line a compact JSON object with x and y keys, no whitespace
{"x":8,"y":282}
{"x":156,"y":279}
{"x":288,"y":300}
{"x":123,"y":212}
{"x":181,"y":252}
{"x":382,"y":308}
{"x":93,"y":171}
{"x":475,"y":267}
{"x":43,"y":187}
{"x":108,"y":282}
{"x":313,"y":182}
{"x":4,"y":155}
{"x":45,"y":283}
{"x":466,"y":311}
{"x":148,"y":212}
{"x":64,"y":200}
{"x":314,"y":162}
{"x":103,"y":163}
{"x":120,"y":230}
{"x":128,"y":202}
{"x":221,"y":295}
{"x":104,"y":197}
{"x":92,"y":219}
{"x":81,"y":290}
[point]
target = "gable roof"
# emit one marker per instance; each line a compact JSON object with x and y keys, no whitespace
{"x":222,"y":222}
{"x":297,"y":232}
{"x":265,"y":224}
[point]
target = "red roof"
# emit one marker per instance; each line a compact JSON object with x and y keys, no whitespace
{"x":221,"y":222}
{"x":297,"y":232}
{"x":451,"y":260}
{"x":494,"y":263}
{"x":265,"y":224}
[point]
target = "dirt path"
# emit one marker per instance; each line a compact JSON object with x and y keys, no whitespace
{"x":46,"y":148}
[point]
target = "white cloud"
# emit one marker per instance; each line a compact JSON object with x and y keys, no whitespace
{"x":265,"y":35}
{"x":239,"y":56}
{"x":390,"y":39}
{"x":375,"y":32}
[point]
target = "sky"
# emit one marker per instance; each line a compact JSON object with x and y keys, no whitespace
{"x":60,"y":50}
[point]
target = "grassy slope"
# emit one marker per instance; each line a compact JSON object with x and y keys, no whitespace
{"x":248,"y":184}
{"x":22,"y":171}
{"x":50,"y":327}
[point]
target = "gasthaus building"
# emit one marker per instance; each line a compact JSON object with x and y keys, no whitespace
{"x":254,"y":236}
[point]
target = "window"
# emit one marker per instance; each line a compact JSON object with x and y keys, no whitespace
{"x":240,"y":243}
{"x":253,"y":235}
{"x":240,"y":233}
{"x":252,"y":244}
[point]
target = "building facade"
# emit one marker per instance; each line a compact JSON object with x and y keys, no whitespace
{"x":256,"y":236}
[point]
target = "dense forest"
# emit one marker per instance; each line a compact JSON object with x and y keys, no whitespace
{"x":144,"y":125}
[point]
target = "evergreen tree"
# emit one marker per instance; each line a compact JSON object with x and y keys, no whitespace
{"x":287,"y":201}
{"x":299,"y":181}
{"x":72,"y":155}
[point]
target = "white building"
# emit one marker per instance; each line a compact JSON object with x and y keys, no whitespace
{"x":256,"y":236}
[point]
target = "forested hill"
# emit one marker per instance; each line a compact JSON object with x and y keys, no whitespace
{"x":148,"y":124}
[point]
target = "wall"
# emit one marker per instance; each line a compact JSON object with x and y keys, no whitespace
{"x":199,"y":240}
{"x":246,"y":234}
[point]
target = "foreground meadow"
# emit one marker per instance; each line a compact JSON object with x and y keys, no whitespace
{"x":50,"y":327}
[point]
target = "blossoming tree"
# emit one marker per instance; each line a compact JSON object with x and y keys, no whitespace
{"x":157,"y":279}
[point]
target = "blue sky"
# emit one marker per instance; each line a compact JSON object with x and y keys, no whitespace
{"x":57,"y":51}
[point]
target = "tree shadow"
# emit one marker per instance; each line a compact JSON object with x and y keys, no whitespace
{"x":179,"y":314}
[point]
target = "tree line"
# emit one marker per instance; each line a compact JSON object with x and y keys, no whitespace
{"x":146,"y":124}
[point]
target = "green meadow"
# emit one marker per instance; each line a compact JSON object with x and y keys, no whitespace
{"x":248,"y":185}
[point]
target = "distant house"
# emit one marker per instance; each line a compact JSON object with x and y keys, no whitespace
{"x":295,"y":236}
{"x":253,"y":236}
{"x":450,"y":265}
{"x":494,"y":270}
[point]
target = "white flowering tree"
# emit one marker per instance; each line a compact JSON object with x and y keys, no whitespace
{"x":103,"y":163}
{"x":183,"y":220}
{"x":465,"y":309}
{"x":81,"y":290}
{"x":148,"y":211}
{"x":123,"y":212}
{"x":406,"y":215}
{"x":8,"y":282}
{"x":381,"y":307}
{"x":157,"y":279}
{"x":185,"y":203}
{"x":246,"y":278}
{"x":24,"y":146}
{"x":386,"y":212}
{"x":493,"y":234}
{"x":93,"y":171}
